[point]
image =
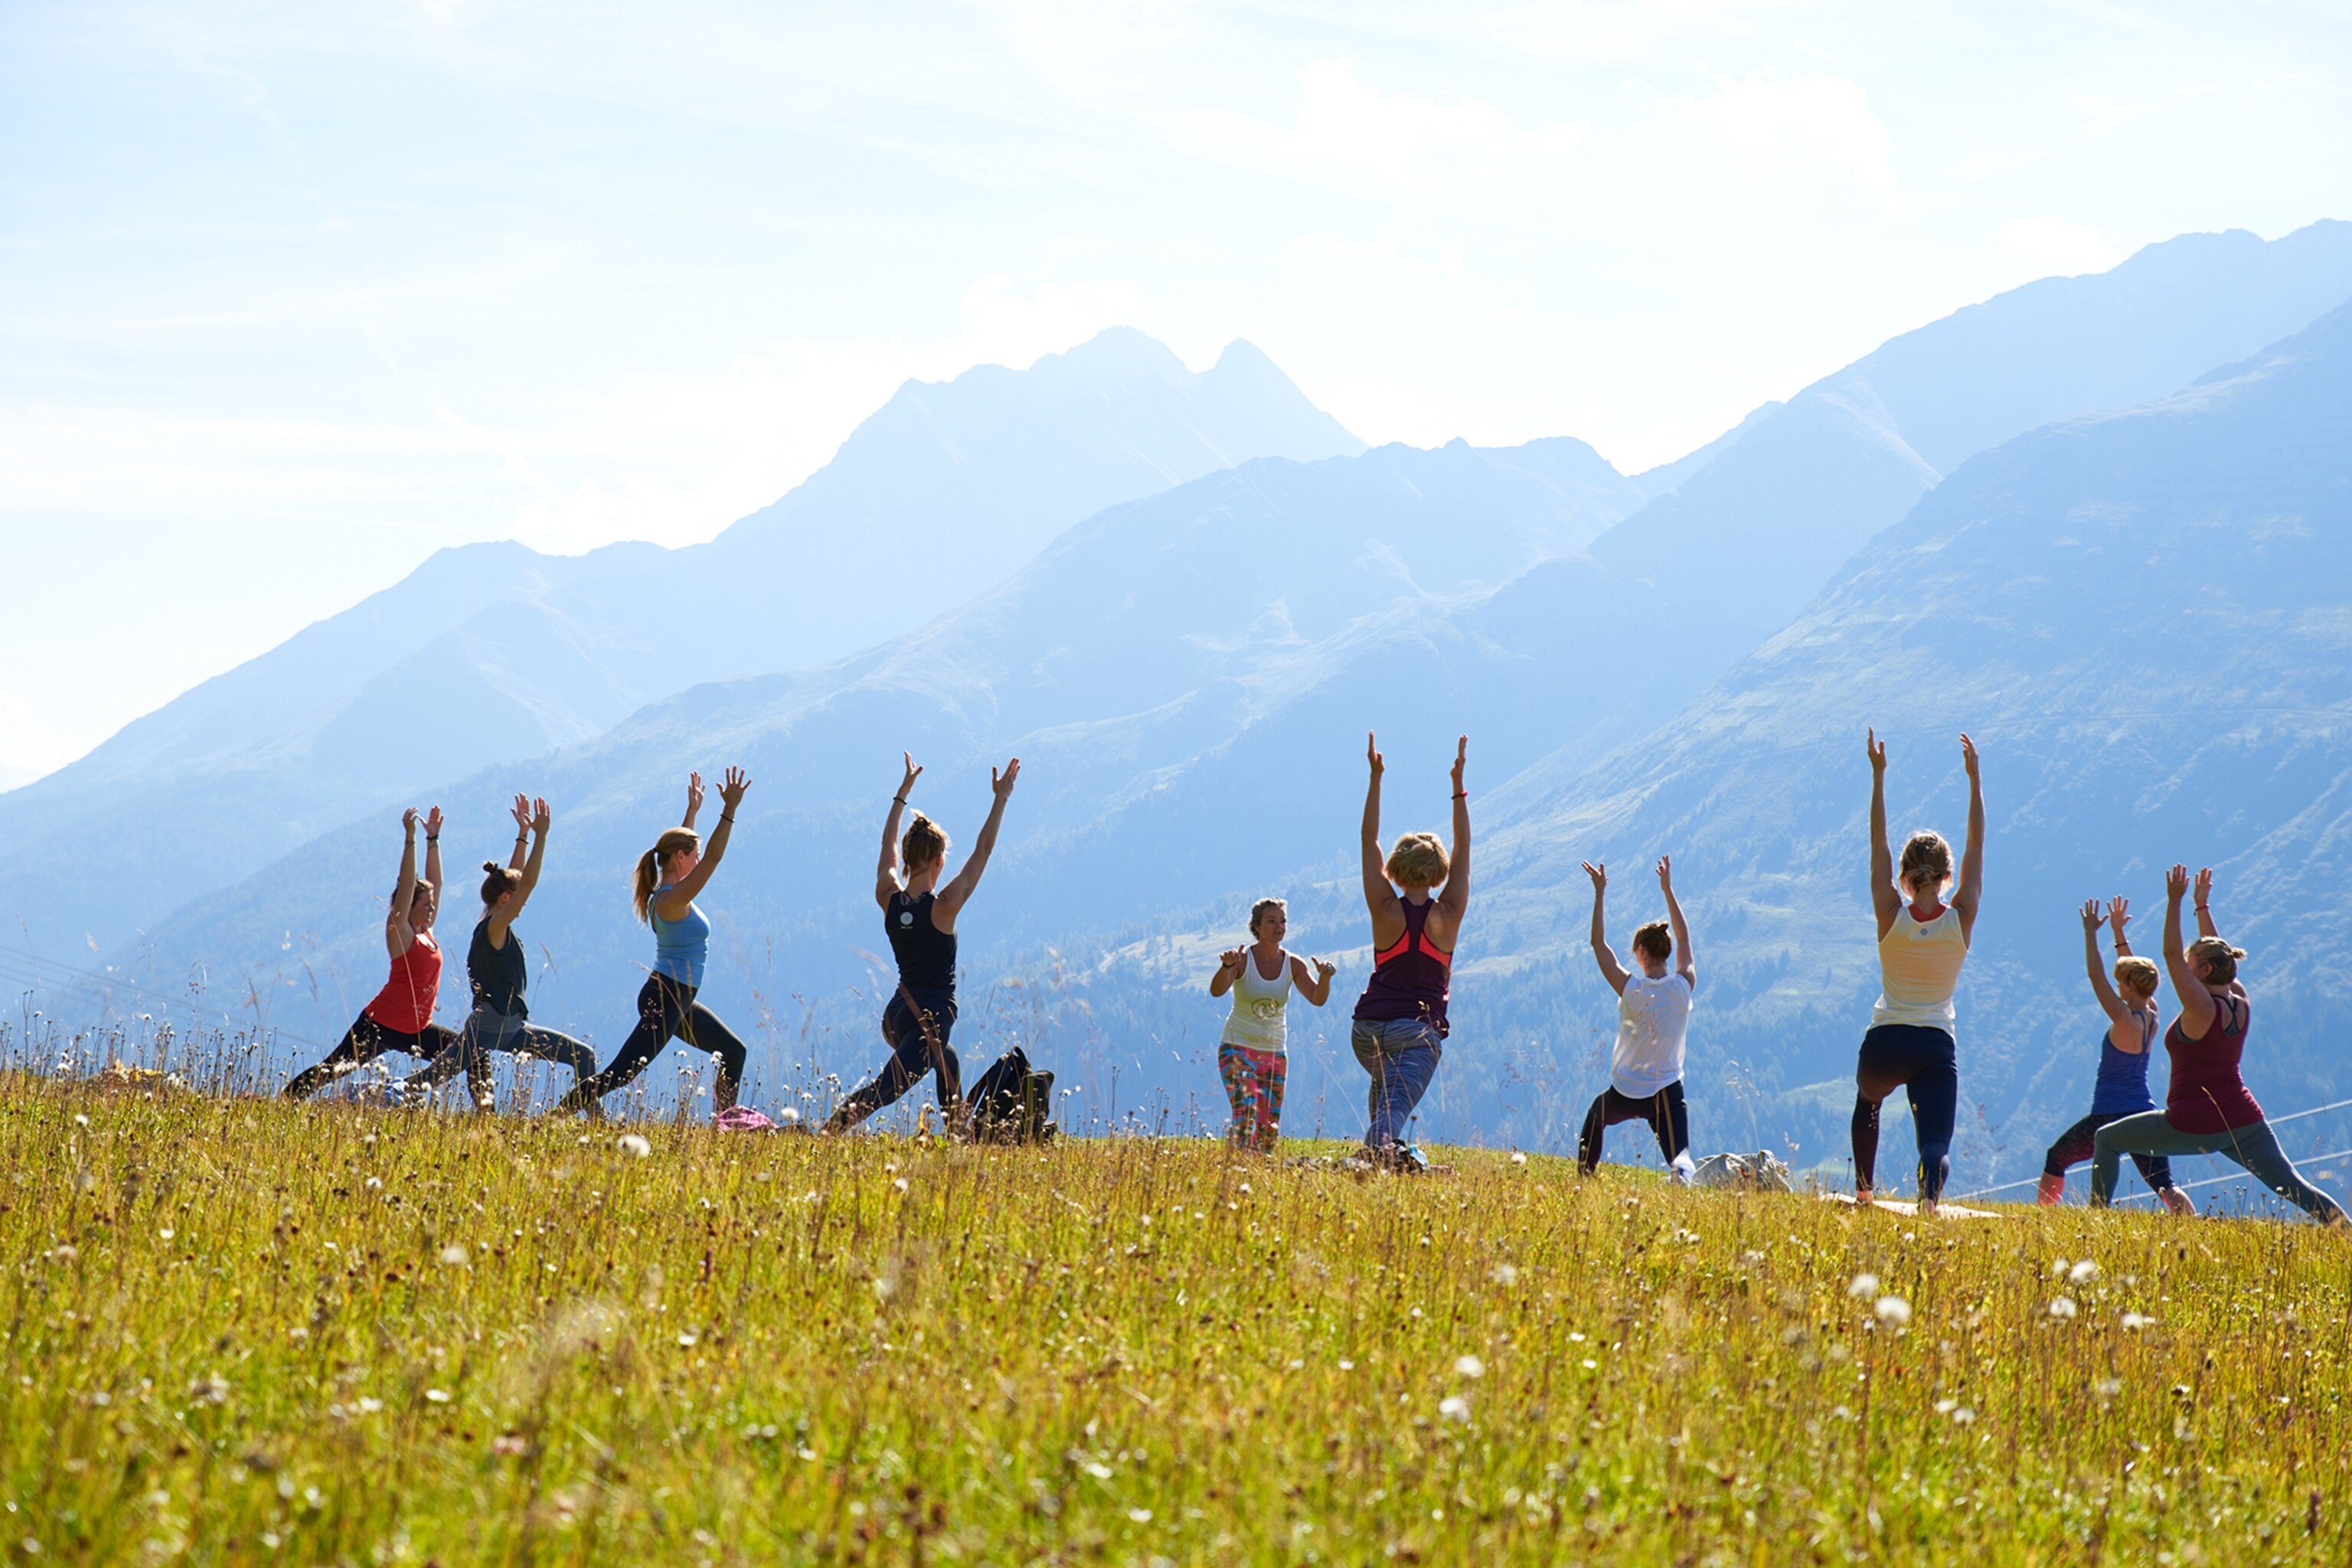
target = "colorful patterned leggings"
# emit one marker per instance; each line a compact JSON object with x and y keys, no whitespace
{"x":1253,"y":1082}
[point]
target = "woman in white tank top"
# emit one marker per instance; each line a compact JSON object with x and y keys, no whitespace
{"x":1922,"y":940}
{"x":1251,"y":1054}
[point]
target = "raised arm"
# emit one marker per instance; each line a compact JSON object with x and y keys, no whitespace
{"x":730,"y":795}
{"x":1684,"y":965}
{"x":2196,"y":1002}
{"x":1456,"y":900}
{"x":966,"y":882}
{"x":2118,"y":917}
{"x":693,"y":799}
{"x":886,"y":870}
{"x":1388,"y":919}
{"x":524,"y":861}
{"x":1229,"y":969}
{"x":1610,"y":970}
{"x":1313,"y":978}
{"x":1884,"y":899}
{"x":432,"y":853}
{"x":2202,"y":896}
{"x":1970,"y":890}
{"x":397,"y":934}
{"x":2112,"y":1004}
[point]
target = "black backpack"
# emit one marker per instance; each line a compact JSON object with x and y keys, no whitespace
{"x":1012,"y":1103}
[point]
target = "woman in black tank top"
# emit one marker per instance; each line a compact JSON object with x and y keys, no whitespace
{"x":496,"y":968}
{"x":919,"y":917}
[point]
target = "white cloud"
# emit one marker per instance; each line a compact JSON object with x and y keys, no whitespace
{"x":29,"y":748}
{"x":1779,"y":130}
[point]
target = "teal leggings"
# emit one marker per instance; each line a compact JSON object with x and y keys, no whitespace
{"x":2255,"y":1146}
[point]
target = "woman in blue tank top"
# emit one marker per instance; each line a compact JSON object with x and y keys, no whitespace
{"x":668,"y":877}
{"x":918,"y":916}
{"x":2122,"y":1087}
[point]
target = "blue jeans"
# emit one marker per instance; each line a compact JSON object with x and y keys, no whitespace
{"x":1402,"y":1055}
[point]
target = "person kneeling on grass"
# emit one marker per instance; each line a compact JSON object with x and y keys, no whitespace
{"x":2122,"y":1087}
{"x":2207,"y":1107}
{"x":1251,"y":1055}
{"x":1654,"y":1009}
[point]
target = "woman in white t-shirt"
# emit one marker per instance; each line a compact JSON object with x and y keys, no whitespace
{"x":1922,"y":940}
{"x":1654,"y":1009}
{"x":1253,"y":1053}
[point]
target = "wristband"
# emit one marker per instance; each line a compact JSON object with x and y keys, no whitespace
{"x":726,"y":816}
{"x":900,"y":798}
{"x":2204,"y":909}
{"x":1461,"y":795}
{"x":432,"y":838}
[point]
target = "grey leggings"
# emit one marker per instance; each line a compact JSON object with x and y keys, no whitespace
{"x":487,"y":1030}
{"x":2255,"y":1146}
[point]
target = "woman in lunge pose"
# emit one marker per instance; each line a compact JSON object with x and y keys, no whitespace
{"x":1251,"y":1054}
{"x":400,"y":1017}
{"x":1400,"y":1023}
{"x":2122,"y":1087}
{"x":668,"y":877}
{"x":919,"y":916}
{"x":496,"y":969}
{"x":1654,"y":1009}
{"x":1922,"y":940}
{"x":2207,"y":1109}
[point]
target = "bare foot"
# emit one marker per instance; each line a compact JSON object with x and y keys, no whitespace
{"x":2179,"y":1202}
{"x":1862,"y":1197}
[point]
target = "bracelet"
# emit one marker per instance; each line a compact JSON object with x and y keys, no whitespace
{"x":900,"y":798}
{"x":432,"y":838}
{"x":1461,"y":795}
{"x":726,"y":816}
{"x":2204,"y":909}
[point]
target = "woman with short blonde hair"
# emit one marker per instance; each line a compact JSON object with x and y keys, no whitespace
{"x":2122,"y":1087}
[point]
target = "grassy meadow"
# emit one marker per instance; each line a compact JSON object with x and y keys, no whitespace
{"x":243,"y":1333}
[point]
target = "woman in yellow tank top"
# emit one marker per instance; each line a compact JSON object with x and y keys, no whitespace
{"x":1922,"y":940}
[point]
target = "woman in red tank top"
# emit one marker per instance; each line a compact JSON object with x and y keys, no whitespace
{"x":2207,"y":1109}
{"x":400,"y":1016}
{"x":1401,"y":1025}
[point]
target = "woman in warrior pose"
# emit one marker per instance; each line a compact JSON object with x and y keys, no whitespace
{"x":2207,"y":1110}
{"x":1654,"y":1009}
{"x":668,"y":876}
{"x":1252,"y":1055}
{"x":920,"y":915}
{"x":400,"y":1017}
{"x":496,"y":969}
{"x":2122,"y":1087}
{"x":1400,"y":1023}
{"x":1922,"y":940}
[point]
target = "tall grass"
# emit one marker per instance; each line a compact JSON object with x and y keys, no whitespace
{"x":242,"y":1331}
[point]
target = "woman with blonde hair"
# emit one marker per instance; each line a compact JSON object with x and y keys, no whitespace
{"x":918,"y":915}
{"x":2122,"y":1087}
{"x":668,"y":876}
{"x":1922,"y":940}
{"x":1399,"y":1025}
{"x":1253,"y":1054}
{"x":2207,"y":1109}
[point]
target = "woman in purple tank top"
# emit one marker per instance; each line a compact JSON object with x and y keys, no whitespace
{"x":1400,"y":1023}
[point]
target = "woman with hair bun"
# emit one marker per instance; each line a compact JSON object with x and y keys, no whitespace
{"x":1922,"y":940}
{"x":2207,"y":1110}
{"x":2122,"y":1087}
{"x":495,"y":968}
{"x":668,"y":876}
{"x":1400,"y":1023}
{"x":919,"y":917}
{"x":1253,"y":1054}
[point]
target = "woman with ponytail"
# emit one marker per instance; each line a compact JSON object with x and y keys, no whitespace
{"x":668,"y":877}
{"x":919,"y":917}
{"x":494,"y":965}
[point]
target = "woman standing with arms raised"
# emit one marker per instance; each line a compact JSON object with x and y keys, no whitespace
{"x":2207,"y":1109}
{"x":1400,"y":1023}
{"x":919,"y":916}
{"x":2121,"y":1089}
{"x":1922,"y":940}
{"x":495,"y":970}
{"x":400,"y":1016}
{"x":668,"y":877}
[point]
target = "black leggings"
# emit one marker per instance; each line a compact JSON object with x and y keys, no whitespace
{"x":666,"y":1008}
{"x":1924,"y":1064}
{"x":489,"y":1030}
{"x":1665,"y":1112}
{"x":363,"y":1042}
{"x":911,"y":1057}
{"x":2078,"y":1142}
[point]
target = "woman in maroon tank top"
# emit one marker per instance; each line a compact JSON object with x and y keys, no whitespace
{"x":2207,"y":1107}
{"x":1399,"y":1025}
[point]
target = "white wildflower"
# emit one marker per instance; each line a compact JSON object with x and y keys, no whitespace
{"x":1506,"y":1275}
{"x":437,"y":1396}
{"x":453,"y":1255}
{"x":1098,"y":1469}
{"x":1519,"y":1159}
{"x":1470,"y":1366}
{"x":1894,"y":1311}
{"x":1963,"y":1417}
{"x":1865,"y":1286}
{"x":1140,"y":1515}
{"x":2083,"y":1273}
{"x":1454,"y":1407}
{"x":630,"y":1143}
{"x":2134,"y":1322}
{"x":2062,"y":1308}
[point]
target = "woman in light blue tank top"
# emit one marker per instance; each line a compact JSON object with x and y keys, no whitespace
{"x":668,"y":877}
{"x":2121,"y":1088}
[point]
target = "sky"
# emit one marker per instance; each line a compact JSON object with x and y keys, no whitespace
{"x":293,"y":295}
